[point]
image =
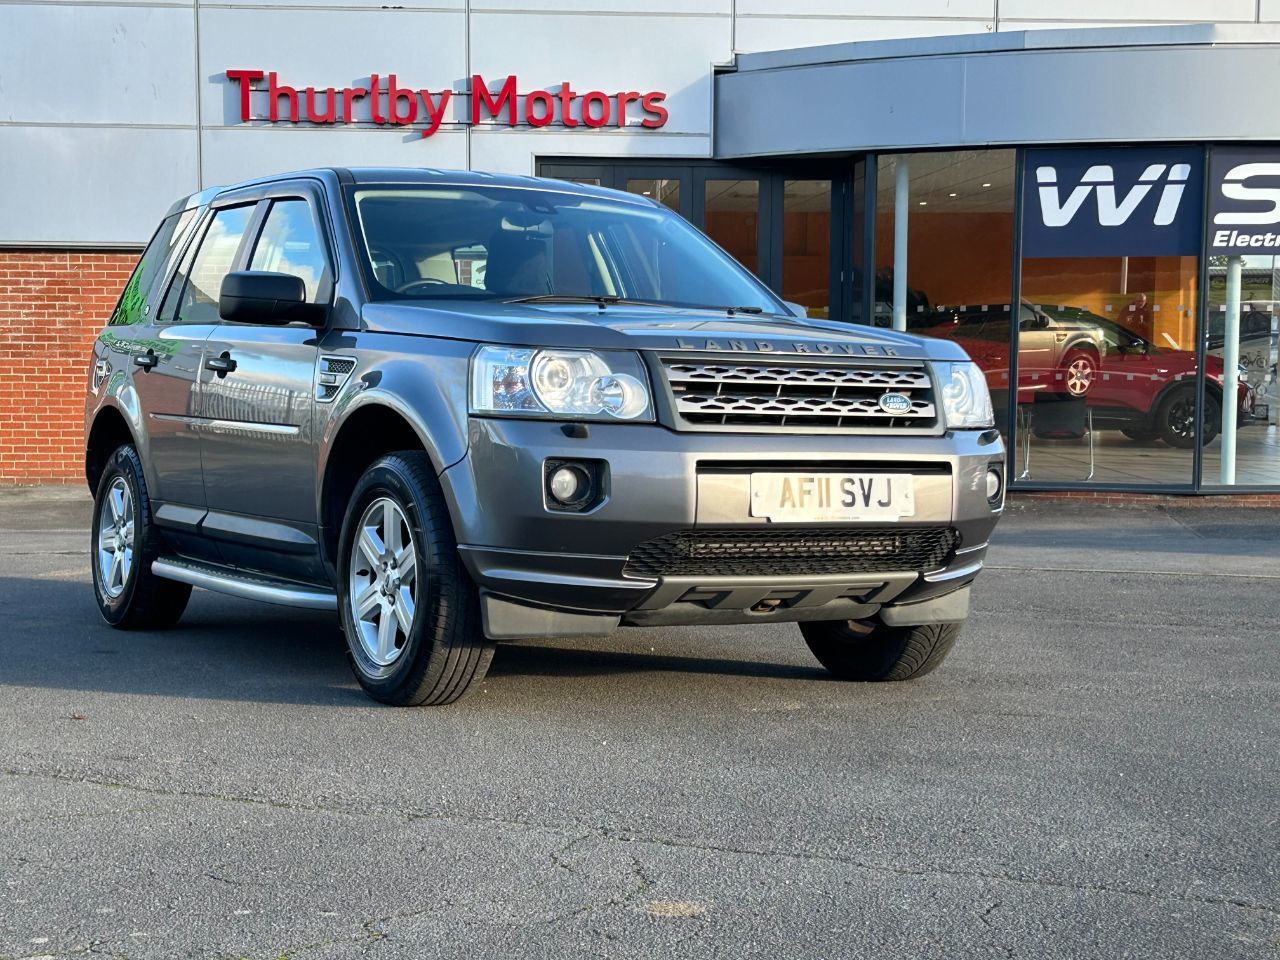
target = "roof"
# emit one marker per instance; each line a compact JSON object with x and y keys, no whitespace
{"x":421,"y":175}
{"x":1078,"y":38}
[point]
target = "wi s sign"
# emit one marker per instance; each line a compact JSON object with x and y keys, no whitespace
{"x":1100,"y":180}
{"x":1244,"y":200}
{"x":1115,"y":202}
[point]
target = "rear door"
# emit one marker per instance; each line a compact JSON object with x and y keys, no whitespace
{"x":168,"y":384}
{"x":258,"y":402}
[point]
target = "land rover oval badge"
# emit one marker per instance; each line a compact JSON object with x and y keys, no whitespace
{"x":895,"y":403}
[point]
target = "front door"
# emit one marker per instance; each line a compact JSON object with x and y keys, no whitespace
{"x":258,"y":410}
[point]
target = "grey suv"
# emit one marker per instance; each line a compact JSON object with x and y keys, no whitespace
{"x":459,"y":408}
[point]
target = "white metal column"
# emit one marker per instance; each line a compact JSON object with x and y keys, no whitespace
{"x":1231,"y":370}
{"x":901,"y":187}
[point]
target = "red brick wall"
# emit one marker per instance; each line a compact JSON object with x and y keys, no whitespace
{"x":52,"y":305}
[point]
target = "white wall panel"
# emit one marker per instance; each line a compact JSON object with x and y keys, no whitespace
{"x":609,"y":53}
{"x":1009,"y":26}
{"x":326,"y":48}
{"x":507,"y":151}
{"x":774,"y":33}
{"x":97,"y":64}
{"x":903,"y":9}
{"x":631,"y":7}
{"x":369,"y":6}
{"x":112,"y":3}
{"x":1269,"y":10}
{"x":104,"y":185}
{"x":231,"y":155}
{"x":1111,"y":11}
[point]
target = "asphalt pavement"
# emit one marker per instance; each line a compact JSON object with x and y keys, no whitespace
{"x":1092,"y":773}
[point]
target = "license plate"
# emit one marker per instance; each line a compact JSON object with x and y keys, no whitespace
{"x":809,"y":497}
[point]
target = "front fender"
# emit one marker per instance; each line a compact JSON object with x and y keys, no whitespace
{"x":422,"y":379}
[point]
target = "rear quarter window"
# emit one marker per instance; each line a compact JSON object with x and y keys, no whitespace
{"x":152,"y":266}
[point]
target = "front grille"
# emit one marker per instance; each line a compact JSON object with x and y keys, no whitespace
{"x":752,"y":553}
{"x":798,"y":395}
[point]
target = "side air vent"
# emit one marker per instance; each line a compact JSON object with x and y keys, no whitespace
{"x":332,"y":373}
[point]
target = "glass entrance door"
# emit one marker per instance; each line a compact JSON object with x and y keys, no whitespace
{"x":792,"y":226}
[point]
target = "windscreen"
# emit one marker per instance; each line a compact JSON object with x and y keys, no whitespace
{"x":449,"y":243}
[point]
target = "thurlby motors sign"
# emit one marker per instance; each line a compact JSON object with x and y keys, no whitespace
{"x":386,"y":101}
{"x":1112,"y":202}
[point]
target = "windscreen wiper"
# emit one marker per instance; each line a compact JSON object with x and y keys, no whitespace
{"x":603,"y":300}
{"x":732,"y":310}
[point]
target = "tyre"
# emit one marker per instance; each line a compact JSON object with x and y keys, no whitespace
{"x":410,"y":613}
{"x":125,"y":541}
{"x":1176,"y":418}
{"x":857,"y":650}
{"x":1141,"y":434}
{"x":1079,"y":369}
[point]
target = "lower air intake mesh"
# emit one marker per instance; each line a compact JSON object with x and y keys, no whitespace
{"x":751,"y":553}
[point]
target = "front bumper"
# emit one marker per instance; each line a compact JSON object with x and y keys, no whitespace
{"x":542,"y":572}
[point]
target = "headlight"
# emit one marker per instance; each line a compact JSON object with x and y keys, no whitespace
{"x":965,"y":397}
{"x":519,"y":381}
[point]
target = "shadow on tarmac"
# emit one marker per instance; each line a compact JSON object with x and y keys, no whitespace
{"x":51,"y":635}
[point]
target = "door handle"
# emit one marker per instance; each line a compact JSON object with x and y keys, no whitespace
{"x":146,"y":360}
{"x":220,"y":365}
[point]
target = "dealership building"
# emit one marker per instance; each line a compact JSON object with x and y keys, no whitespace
{"x":1084,"y":193}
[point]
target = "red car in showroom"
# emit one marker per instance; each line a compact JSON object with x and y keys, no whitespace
{"x":1129,"y":383}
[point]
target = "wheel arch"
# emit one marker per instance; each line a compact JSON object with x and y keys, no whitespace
{"x":378,"y":425}
{"x":109,"y":431}
{"x":1081,"y":345}
{"x":1211,"y":388}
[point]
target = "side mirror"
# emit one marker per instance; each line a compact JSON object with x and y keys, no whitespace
{"x":262,"y":297}
{"x":796,"y":309}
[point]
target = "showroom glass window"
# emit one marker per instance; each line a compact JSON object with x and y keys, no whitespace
{"x":1107,"y":321}
{"x":959,"y":209}
{"x":1241,"y":318}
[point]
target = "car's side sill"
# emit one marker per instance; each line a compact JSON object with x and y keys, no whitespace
{"x":247,"y":586}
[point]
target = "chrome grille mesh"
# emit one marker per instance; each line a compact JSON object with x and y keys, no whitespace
{"x":797,"y":394}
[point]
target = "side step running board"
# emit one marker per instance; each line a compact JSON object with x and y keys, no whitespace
{"x":244,"y":585}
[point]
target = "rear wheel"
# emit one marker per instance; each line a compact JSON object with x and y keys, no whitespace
{"x":125,"y":541}
{"x":410,"y":612}
{"x":867,"y":650}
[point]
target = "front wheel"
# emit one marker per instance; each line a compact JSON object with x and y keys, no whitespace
{"x":1176,"y":418}
{"x":409,"y":611}
{"x":1079,"y":370}
{"x":866,"y":650}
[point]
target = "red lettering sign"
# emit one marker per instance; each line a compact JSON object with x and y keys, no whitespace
{"x":390,"y":104}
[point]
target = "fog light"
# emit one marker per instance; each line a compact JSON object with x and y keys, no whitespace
{"x":994,"y":485}
{"x":568,"y":484}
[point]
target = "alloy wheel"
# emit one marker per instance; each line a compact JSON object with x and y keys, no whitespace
{"x":115,"y":538}
{"x":1080,"y":374}
{"x":1182,"y":418}
{"x":383,"y":581}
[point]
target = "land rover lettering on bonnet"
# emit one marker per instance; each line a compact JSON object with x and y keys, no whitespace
{"x":459,"y":409}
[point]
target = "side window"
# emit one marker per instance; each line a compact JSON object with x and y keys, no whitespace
{"x":196,"y":289}
{"x":152,"y":265}
{"x":290,"y":243}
